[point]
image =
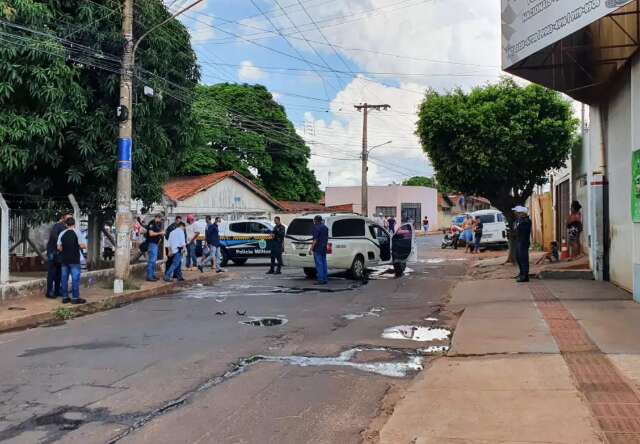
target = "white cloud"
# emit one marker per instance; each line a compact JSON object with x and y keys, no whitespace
{"x":249,"y":73}
{"x":202,"y":30}
{"x":341,"y":138}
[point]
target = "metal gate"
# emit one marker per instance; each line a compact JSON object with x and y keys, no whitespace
{"x":411,"y":212}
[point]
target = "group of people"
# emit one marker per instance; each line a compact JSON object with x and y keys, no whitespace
{"x":65,"y":246}
{"x":470,"y":232}
{"x":181,"y":240}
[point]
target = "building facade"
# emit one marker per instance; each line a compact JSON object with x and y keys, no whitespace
{"x":405,"y":203}
{"x":227,"y":194}
{"x":589,"y":51}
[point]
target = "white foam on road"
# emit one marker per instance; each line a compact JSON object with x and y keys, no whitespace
{"x":416,"y":333}
{"x":374,"y":312}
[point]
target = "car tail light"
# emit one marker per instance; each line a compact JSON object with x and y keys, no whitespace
{"x":329,"y":248}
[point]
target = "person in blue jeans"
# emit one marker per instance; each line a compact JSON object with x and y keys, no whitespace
{"x":319,"y":249}
{"x":177,"y":244}
{"x":153,"y":236}
{"x":71,"y":242}
{"x":54,"y":267}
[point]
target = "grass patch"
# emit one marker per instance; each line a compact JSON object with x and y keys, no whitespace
{"x":64,"y":313}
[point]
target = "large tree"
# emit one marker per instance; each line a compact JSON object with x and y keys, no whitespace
{"x":59,"y":89}
{"x":498,"y":141}
{"x":241,"y":127}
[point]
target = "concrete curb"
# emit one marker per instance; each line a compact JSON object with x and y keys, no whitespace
{"x":37,"y":319}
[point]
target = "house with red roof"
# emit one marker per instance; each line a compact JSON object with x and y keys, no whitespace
{"x":227,"y":194}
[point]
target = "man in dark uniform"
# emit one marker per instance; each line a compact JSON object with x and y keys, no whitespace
{"x":523,"y":241}
{"x":277,"y":247}
{"x":319,"y":249}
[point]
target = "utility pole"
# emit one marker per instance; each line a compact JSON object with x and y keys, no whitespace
{"x":365,"y":107}
{"x":125,"y":141}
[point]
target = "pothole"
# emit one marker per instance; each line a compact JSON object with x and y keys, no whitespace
{"x":264,"y":321}
{"x":416,"y":333}
{"x":374,"y":312}
{"x":62,"y":419}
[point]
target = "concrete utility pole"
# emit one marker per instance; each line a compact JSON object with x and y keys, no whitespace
{"x":125,"y":142}
{"x":365,"y":107}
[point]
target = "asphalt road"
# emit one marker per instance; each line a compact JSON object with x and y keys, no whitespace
{"x":171,"y":370}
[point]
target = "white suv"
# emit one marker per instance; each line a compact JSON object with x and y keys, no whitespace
{"x":355,"y":243}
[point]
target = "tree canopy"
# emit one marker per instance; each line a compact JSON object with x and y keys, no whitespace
{"x":59,"y":89}
{"x":420,"y":181}
{"x":241,"y":127}
{"x":498,"y":141}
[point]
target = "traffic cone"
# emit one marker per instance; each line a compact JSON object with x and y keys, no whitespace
{"x":564,"y":250}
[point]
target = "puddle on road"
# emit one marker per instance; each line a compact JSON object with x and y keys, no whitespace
{"x":434,"y":349}
{"x":222,"y":292}
{"x":431,"y":319}
{"x":374,"y":312}
{"x":397,"y":369}
{"x":264,"y":321}
{"x":416,"y":333}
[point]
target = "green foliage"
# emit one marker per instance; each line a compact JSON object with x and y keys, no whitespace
{"x":64,"y":313}
{"x":498,"y":141}
{"x":420,"y":181}
{"x":58,"y":129}
{"x":241,"y":127}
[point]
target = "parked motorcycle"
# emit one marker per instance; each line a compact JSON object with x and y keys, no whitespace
{"x":452,"y":240}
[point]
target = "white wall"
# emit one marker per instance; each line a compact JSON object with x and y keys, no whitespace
{"x":619,"y":175}
{"x":387,"y":196}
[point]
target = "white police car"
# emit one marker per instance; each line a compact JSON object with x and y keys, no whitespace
{"x":245,"y":239}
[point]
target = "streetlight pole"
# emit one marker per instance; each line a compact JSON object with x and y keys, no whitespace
{"x":125,"y":143}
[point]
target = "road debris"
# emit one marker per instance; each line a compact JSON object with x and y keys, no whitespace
{"x":416,"y":333}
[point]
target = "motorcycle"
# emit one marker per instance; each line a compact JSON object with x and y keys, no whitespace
{"x":452,"y":240}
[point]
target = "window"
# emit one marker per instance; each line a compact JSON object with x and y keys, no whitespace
{"x":300,"y":227}
{"x":239,"y":227}
{"x":381,"y":234}
{"x":386,"y":211}
{"x":487,"y":218}
{"x":500,"y":217}
{"x":348,"y":228}
{"x":372,"y":230}
{"x":257,"y":227}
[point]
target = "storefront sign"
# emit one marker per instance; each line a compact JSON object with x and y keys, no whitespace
{"x":635,"y":186}
{"x":531,"y":25}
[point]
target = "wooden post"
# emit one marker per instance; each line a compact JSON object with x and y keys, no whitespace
{"x":4,"y":242}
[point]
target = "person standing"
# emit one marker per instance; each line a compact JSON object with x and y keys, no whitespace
{"x":54,"y":266}
{"x":153,"y":235}
{"x":319,"y":249}
{"x":392,"y":224}
{"x":212,"y":236}
{"x":574,"y":229}
{"x":467,"y":233}
{"x":177,"y":245}
{"x":192,"y":234}
{"x":478,"y":228}
{"x":425,"y":225}
{"x":277,"y":247}
{"x":523,"y":241}
{"x":70,"y":243}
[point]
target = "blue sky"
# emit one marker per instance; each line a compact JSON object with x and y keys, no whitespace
{"x":321,"y":57}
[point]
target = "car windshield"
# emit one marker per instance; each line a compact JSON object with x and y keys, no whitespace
{"x":487,"y":218}
{"x":300,"y":227}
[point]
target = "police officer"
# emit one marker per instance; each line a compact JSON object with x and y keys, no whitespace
{"x":277,"y":247}
{"x":523,"y":241}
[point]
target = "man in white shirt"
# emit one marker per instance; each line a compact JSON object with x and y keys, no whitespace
{"x":177,"y":243}
{"x":193,"y":231}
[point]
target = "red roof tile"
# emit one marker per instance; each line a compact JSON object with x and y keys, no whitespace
{"x":312,"y":207}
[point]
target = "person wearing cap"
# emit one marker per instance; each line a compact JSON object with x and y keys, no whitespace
{"x":319,"y":249}
{"x":523,"y":241}
{"x":192,"y":233}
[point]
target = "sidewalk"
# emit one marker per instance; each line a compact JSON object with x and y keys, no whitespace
{"x":31,"y":311}
{"x":552,"y":361}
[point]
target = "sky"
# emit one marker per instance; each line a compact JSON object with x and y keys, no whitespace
{"x":319,"y":58}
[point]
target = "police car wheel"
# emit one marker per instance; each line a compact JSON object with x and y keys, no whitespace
{"x":239,"y":261}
